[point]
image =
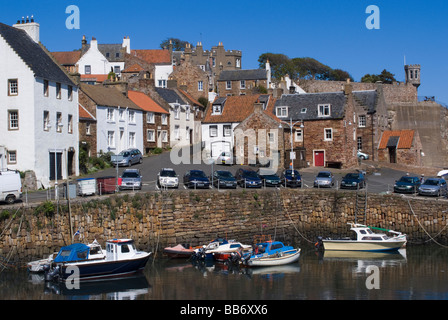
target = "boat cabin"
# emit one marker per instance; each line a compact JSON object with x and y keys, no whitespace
{"x":271,"y":247}
{"x":364,"y":233}
{"x":118,"y":249}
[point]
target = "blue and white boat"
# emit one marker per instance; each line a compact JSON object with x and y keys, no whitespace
{"x":121,"y":260}
{"x":271,"y":253}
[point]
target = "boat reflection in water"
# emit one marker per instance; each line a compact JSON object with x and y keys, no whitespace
{"x":120,"y":289}
{"x":365,"y":259}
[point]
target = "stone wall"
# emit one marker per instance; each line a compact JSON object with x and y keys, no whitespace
{"x":155,"y":220}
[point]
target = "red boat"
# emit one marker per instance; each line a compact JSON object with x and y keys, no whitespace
{"x":178,"y":251}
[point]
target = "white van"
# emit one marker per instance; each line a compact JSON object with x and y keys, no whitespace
{"x":10,"y":186}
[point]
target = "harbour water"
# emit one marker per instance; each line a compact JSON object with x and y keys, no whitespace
{"x":414,"y":273}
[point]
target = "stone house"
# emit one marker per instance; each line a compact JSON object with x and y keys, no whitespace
{"x":223,"y":116}
{"x":119,"y":120}
{"x":87,"y":131}
{"x":400,"y":146}
{"x":191,"y":77}
{"x":154,"y":64}
{"x":241,"y":82}
{"x":259,"y":139}
{"x":38,"y":107}
{"x":155,"y":122}
{"x":319,"y":128}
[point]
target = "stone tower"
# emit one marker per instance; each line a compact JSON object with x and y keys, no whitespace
{"x":412,"y":74}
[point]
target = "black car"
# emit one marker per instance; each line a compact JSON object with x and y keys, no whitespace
{"x":355,"y":180}
{"x":269,"y":178}
{"x":224,"y":179}
{"x":291,"y":178}
{"x":196,"y":179}
{"x":248,"y":178}
{"x":407,"y":184}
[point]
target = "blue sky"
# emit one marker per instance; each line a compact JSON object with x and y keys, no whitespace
{"x":331,"y":31}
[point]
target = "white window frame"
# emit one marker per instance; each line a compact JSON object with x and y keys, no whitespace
{"x":281,"y":112}
{"x":13,"y":87}
{"x":200,"y":86}
{"x":88,"y":128}
{"x":150,"y":117}
{"x":213,"y":131}
{"x":164,"y":119}
{"x":177,"y":132}
{"x":187,"y":112}
{"x":111,"y":139}
{"x":217,"y":109}
{"x":46,"y":120}
{"x":362,"y":121}
{"x":324,"y":110}
{"x":110,"y":114}
{"x":177,"y":112}
{"x":132,"y":141}
{"x":13,"y":119}
{"x":228,"y":85}
{"x":243,"y":84}
{"x":70,"y":123}
{"x":12,"y":156}
{"x":164,"y":136}
{"x":328,"y":130}
{"x":227,"y":130}
{"x":298,"y":135}
{"x":150,"y":135}
{"x":131,"y":116}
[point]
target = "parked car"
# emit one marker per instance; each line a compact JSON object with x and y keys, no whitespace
{"x":356,"y":180}
{"x":362,"y":155}
{"x":433,"y":187}
{"x":269,"y":178}
{"x":10,"y":186}
{"x":127,"y":157}
{"x":224,"y":179}
{"x":167,"y":178}
{"x":291,"y":178}
{"x":196,"y":179}
{"x":248,"y":178}
{"x":324,"y":179}
{"x":407,"y":184}
{"x":131,"y":179}
{"x":226,"y":158}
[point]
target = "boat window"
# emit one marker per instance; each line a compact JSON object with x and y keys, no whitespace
{"x":236,"y":245}
{"x":369,"y":231}
{"x":371,"y":238}
{"x":362,"y":231}
{"x":385,"y":237}
{"x":110,"y":248}
{"x":65,"y":253}
{"x":82,"y":255}
{"x":276,"y":246}
{"x":95,"y":250}
{"x":124,"y":248}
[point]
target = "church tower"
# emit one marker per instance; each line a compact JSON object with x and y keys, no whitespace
{"x":412,"y":74}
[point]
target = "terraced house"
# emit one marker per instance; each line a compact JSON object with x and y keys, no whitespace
{"x":38,"y":107}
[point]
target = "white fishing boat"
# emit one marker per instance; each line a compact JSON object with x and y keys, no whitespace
{"x":122,"y":260}
{"x":366,"y":240}
{"x":38,"y":266}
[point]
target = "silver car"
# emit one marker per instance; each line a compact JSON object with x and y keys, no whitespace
{"x":324,"y":179}
{"x":131,"y":179}
{"x":127,"y":157}
{"x":433,"y":187}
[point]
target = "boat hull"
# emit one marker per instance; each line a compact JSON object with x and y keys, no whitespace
{"x":102,"y":270}
{"x":274,"y":260}
{"x":353,"y":245}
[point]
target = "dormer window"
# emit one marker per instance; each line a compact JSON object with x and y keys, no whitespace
{"x":324,"y":110}
{"x":281,"y":112}
{"x":217,"y":109}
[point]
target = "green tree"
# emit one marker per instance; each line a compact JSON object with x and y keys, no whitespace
{"x":385,"y":77}
{"x":178,"y":45}
{"x":280,"y":64}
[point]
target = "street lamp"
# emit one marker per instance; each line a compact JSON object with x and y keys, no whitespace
{"x":291,"y":126}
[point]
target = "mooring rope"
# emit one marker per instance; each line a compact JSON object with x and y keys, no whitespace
{"x":421,"y":226}
{"x":292,"y":222}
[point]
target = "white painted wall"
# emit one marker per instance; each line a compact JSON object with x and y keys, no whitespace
{"x":118,"y":124}
{"x":162,"y":72}
{"x":219,"y":143}
{"x":97,"y":61}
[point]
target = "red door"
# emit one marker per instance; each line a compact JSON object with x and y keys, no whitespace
{"x":319,"y":158}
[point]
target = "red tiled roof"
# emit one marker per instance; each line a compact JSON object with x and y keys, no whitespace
{"x":94,"y":77}
{"x":84,"y":114}
{"x":134,"y":68}
{"x":406,"y":138}
{"x":238,"y":108}
{"x":67,"y":57}
{"x":153,"y":56}
{"x":145,"y":102}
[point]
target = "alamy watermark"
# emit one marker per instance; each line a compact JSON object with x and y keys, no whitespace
{"x":373,"y":20}
{"x":73,"y":21}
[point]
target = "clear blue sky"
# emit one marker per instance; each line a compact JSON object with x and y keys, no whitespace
{"x":331,"y":31}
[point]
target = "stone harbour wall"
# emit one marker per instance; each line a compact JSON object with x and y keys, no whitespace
{"x":156,"y":220}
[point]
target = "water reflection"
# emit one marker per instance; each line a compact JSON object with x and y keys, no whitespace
{"x":414,"y":273}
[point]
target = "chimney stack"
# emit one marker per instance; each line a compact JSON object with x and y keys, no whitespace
{"x":30,"y":27}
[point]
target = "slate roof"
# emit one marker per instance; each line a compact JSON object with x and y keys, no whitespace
{"x":305,"y":106}
{"x":367,"y":98}
{"x":401,"y":139}
{"x":107,"y":97}
{"x":112,"y":49}
{"x":236,"y":75}
{"x":34,"y":55}
{"x":170,"y":96}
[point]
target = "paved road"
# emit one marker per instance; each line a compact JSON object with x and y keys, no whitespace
{"x":377,"y":182}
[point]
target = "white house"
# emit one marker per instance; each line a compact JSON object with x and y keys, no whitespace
{"x":39,"y":107}
{"x":101,"y":59}
{"x":223,"y":116}
{"x":119,"y":120}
